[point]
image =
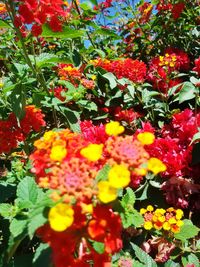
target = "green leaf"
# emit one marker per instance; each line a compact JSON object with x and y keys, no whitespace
{"x":73,"y":118}
{"x":99,"y":247}
{"x":111,"y":78}
{"x":143,"y":256}
{"x":45,"y":59}
{"x":35,"y":222}
{"x":18,"y":101}
{"x":86,"y":5}
{"x":195,"y":137}
{"x":137,"y":219}
{"x":171,"y":263}
{"x":87,"y":104}
{"x":17,"y":226}
{"x":103,"y":173}
{"x":6,"y":210}
{"x":3,"y":24}
{"x":128,"y":198}
{"x":188,"y":230}
{"x":66,"y":33}
{"x":190,"y":259}
{"x":27,"y":190}
{"x":187,"y":92}
{"x":42,"y":256}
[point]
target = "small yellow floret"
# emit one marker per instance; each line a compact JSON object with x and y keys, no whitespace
{"x":155,"y":165}
{"x":106,"y":192}
{"x":148,"y":225}
{"x":143,"y":211}
{"x":150,"y":208}
{"x":179,"y":214}
{"x":93,"y":152}
{"x":166,"y":226}
{"x":49,"y":136}
{"x":146,"y":138}
{"x":58,"y":153}
{"x":114,"y":128}
{"x":61,"y":217}
{"x":119,"y":176}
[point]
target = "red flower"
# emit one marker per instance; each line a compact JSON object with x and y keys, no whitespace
{"x":177,"y":10}
{"x":105,"y":226}
{"x":197,"y":66}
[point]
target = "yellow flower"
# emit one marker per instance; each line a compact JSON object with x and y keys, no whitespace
{"x":179,"y":214}
{"x":161,"y":218}
{"x":179,"y":223}
{"x":155,"y":165}
{"x":160,"y":212}
{"x":61,"y":217}
{"x":146,"y":138}
{"x":172,"y":220}
{"x":150,"y":208}
{"x":148,"y":225}
{"x":114,"y":128}
{"x":143,"y":211}
{"x":140,"y":171}
{"x":106,"y":192}
{"x":92,"y":152}
{"x":119,"y":176}
{"x":58,"y":153}
{"x":86,"y":208}
{"x":166,"y":226}
{"x":49,"y":136}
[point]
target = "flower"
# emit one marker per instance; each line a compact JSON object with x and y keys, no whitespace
{"x":61,"y":217}
{"x":92,"y":152}
{"x":155,"y":165}
{"x":106,"y":192}
{"x":114,"y":128}
{"x":146,"y":138}
{"x":58,"y":153}
{"x":134,"y":70}
{"x":119,"y":176}
{"x":168,"y":220}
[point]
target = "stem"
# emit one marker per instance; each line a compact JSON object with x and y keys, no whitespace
{"x":79,"y":12}
{"x":37,"y":72}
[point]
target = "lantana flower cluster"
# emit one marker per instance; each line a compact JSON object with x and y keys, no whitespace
{"x":134,"y":70}
{"x":162,"y":68}
{"x":71,"y":165}
{"x":37,"y":13}
{"x":175,"y":147}
{"x":167,"y":220}
{"x":13,"y":132}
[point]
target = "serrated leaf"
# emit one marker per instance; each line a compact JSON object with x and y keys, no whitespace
{"x":138,"y":219}
{"x":143,"y":256}
{"x":17,"y":226}
{"x":128,"y":198}
{"x":188,"y":230}
{"x":187,"y":92}
{"x":35,"y":222}
{"x":45,"y":59}
{"x":103,"y":173}
{"x":190,"y":259}
{"x":66,"y":33}
{"x":6,"y":210}
{"x":27,"y":190}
